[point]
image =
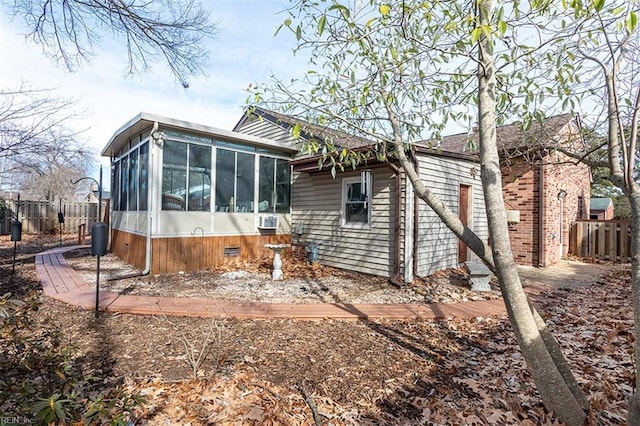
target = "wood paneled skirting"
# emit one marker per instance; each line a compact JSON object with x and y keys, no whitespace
{"x":129,"y":247}
{"x":192,"y":253}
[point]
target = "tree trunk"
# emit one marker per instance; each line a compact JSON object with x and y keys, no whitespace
{"x":634,"y":400}
{"x":550,"y":383}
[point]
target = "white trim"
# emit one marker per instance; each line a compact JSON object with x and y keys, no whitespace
{"x":409,"y":215}
{"x":343,"y":201}
{"x":143,"y":121}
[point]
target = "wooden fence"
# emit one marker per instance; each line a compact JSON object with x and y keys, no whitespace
{"x":604,"y":240}
{"x":41,"y":217}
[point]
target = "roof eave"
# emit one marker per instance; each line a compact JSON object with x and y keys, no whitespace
{"x":144,"y":121}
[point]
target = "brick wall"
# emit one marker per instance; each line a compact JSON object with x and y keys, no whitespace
{"x":561,"y":174}
{"x":522,"y":191}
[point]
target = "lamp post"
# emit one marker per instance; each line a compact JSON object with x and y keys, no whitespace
{"x":98,"y":237}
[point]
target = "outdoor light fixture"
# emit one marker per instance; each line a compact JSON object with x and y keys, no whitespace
{"x":98,"y":237}
{"x":562,"y":194}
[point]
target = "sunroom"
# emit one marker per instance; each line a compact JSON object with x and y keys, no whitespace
{"x":188,"y":197}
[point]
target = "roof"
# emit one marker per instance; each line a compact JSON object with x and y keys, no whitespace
{"x":308,"y":130}
{"x":511,"y":138}
{"x":144,"y":121}
{"x":600,"y":203}
{"x":340,"y":139}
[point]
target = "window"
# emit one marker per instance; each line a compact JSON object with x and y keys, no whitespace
{"x":356,"y":198}
{"x":143,"y":187}
{"x":124,"y":182}
{"x":199,"y":178}
{"x":235,"y":181}
{"x":274,"y":193}
{"x":283,"y":186}
{"x":186,"y":176}
{"x":174,"y":175}
{"x":115,"y":184}
{"x":225,"y":173}
{"x":133,"y":181}
{"x":245,"y":178}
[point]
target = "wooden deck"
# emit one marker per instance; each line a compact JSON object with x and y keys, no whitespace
{"x":61,"y":282}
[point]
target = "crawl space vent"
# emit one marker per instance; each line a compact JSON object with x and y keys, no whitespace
{"x":231,"y":251}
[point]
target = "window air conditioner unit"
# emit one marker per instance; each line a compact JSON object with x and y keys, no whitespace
{"x":268,"y":222}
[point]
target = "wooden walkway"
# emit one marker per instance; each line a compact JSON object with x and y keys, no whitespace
{"x":61,"y":282}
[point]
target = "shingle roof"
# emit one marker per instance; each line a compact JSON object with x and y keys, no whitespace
{"x":511,"y":138}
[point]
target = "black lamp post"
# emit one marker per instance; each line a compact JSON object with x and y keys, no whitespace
{"x":98,"y":238}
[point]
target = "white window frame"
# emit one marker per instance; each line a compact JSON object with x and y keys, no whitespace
{"x":343,"y":202}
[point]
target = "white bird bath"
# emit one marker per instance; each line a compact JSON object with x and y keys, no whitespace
{"x":276,"y":275}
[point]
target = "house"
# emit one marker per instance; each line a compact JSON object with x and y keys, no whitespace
{"x":186,"y":196}
{"x":601,"y":209}
{"x":94,"y":195}
{"x":368,"y":219}
{"x":544,"y":189}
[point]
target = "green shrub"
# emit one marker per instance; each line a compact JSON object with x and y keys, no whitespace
{"x":44,"y":379}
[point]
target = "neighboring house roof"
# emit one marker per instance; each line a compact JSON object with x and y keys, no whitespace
{"x":600,"y":203}
{"x":144,"y":122}
{"x":512,"y":139}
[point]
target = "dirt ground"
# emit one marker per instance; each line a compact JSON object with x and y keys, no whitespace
{"x":364,"y":372}
{"x":251,"y":282}
{"x":569,"y":274}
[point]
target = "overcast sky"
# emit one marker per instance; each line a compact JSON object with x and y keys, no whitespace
{"x":243,"y":51}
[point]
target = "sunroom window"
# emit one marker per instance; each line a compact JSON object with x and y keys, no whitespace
{"x":174,"y":175}
{"x":186,"y":176}
{"x":274,"y":186}
{"x":199,"y":178}
{"x":131,"y":179}
{"x":143,"y":188}
{"x":235,"y":178}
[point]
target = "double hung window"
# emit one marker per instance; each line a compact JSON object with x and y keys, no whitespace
{"x":356,"y":203}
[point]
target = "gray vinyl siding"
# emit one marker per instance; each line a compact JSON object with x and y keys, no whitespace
{"x":266,"y":129}
{"x":437,"y":245}
{"x":317,"y":202}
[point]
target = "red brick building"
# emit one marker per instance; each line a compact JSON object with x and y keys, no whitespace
{"x":544,"y":190}
{"x":601,"y":209}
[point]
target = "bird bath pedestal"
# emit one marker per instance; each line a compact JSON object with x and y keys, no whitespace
{"x":276,"y":275}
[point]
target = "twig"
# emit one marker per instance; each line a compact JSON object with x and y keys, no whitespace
{"x":309,"y":400}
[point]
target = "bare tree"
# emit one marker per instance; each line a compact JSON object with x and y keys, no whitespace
{"x":36,"y":142}
{"x":70,"y":31}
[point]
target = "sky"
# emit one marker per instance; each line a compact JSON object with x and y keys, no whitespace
{"x":243,"y":51}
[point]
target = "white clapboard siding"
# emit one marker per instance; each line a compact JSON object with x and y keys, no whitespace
{"x":317,"y":204}
{"x":437,"y":245}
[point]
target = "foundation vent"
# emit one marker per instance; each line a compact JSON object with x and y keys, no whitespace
{"x":231,"y":251}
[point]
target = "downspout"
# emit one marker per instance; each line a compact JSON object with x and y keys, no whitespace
{"x":395,"y":279}
{"x":541,"y":219}
{"x":416,"y":203}
{"x":110,"y":212}
{"x":157,"y":138}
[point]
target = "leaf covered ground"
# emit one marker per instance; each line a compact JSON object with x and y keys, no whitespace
{"x":346,"y":373}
